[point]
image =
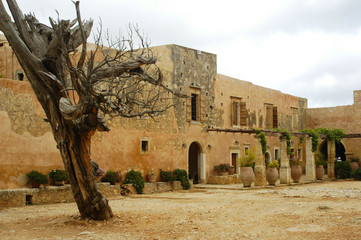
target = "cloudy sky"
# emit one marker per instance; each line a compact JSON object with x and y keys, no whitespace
{"x":306,"y":48}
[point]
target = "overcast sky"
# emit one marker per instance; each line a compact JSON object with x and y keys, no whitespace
{"x":305,"y":48}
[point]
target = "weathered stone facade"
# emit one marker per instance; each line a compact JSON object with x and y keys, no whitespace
{"x":200,"y":132}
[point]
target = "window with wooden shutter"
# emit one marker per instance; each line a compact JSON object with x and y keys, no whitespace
{"x":269,"y":116}
{"x":195,"y":105}
{"x":202,"y":110}
{"x":243,"y":113}
{"x":189,"y":107}
{"x":275,"y":117}
{"x":234,"y":113}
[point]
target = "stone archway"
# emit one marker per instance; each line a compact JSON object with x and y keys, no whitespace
{"x":339,"y":150}
{"x":194,"y":154}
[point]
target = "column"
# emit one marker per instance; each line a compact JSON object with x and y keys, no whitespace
{"x":331,"y":152}
{"x":310,"y":160}
{"x":202,"y":161}
{"x":259,"y":168}
{"x":285,"y":170}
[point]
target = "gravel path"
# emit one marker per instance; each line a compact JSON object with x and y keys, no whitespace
{"x":329,"y":210}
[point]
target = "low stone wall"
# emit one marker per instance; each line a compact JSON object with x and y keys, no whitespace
{"x":223,"y":180}
{"x":63,"y":194}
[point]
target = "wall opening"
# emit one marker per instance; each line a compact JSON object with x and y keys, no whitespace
{"x":193,"y":160}
{"x":29,"y":200}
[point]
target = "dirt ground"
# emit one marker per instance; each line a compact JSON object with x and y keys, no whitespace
{"x":329,"y":210}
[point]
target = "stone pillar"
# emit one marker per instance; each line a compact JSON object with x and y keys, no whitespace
{"x":310,"y":160}
{"x":285,"y":170}
{"x":202,"y":164}
{"x":331,"y":152}
{"x":259,"y":168}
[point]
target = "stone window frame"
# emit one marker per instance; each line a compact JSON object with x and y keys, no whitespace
{"x":238,"y":112}
{"x":195,"y":110}
{"x":144,"y":145}
{"x":299,"y":154}
{"x":271,"y":113}
{"x":276,"y":156}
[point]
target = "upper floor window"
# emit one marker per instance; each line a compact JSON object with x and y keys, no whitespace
{"x":195,"y":105}
{"x":271,"y":116}
{"x":294,"y":119}
{"x":239,"y":112}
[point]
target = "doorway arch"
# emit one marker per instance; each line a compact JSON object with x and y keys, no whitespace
{"x":194,"y":162}
{"x":339,"y":150}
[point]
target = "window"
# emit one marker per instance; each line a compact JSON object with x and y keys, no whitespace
{"x":277,"y":154}
{"x":294,"y":119}
{"x":21,"y":76}
{"x":195,"y":105}
{"x":246,"y":150}
{"x":144,"y":145}
{"x":271,"y":116}
{"x":299,"y":154}
{"x":239,"y":112}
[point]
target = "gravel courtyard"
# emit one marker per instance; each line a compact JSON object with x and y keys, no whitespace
{"x":328,"y":210}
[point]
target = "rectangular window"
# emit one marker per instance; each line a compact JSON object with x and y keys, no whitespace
{"x":239,"y":112}
{"x":294,"y":119}
{"x":195,"y":105}
{"x":271,"y":116}
{"x":246,"y":150}
{"x":144,"y":145}
{"x":277,"y":154}
{"x":299,"y":154}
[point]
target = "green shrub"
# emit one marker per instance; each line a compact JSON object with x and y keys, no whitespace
{"x":111,"y":177}
{"x":274,"y":164}
{"x":247,"y":160}
{"x":136,"y":179}
{"x":354,"y":159}
{"x":320,"y":159}
{"x":356,"y":174}
{"x":167,"y":176}
{"x":182,"y":176}
{"x":36,"y":177}
{"x":342,"y":170}
{"x":58,"y":175}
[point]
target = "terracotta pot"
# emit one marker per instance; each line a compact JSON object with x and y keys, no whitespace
{"x":354,"y":165}
{"x":320,"y":171}
{"x":152,"y":177}
{"x":296,"y":173}
{"x":247,"y":176}
{"x":272,"y":175}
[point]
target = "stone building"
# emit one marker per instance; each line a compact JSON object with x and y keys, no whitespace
{"x":213,"y":125}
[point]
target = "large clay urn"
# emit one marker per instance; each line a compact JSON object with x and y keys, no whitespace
{"x":272,"y":175}
{"x":320,"y":171}
{"x":296,"y":173}
{"x":247,"y":176}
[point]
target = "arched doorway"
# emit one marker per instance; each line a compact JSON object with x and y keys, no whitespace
{"x":339,"y":148}
{"x":193,"y":162}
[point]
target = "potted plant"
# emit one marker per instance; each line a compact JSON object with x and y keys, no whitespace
{"x":354,"y":162}
{"x":36,"y":178}
{"x":58,"y":177}
{"x":152,"y":175}
{"x":246,"y":163}
{"x":222,"y":169}
{"x":272,"y":172}
{"x":320,"y":162}
{"x":111,"y":177}
{"x":296,"y":170}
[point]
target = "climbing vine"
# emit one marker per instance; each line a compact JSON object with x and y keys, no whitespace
{"x":288,"y":137}
{"x":314,"y":134}
{"x":262,"y":140}
{"x":332,"y":134}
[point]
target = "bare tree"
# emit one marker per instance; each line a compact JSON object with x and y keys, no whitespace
{"x":79,"y":88}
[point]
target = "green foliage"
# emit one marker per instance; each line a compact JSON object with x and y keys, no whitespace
{"x":342,"y":170}
{"x":356,"y":174}
{"x":288,"y":137}
{"x":247,"y":160}
{"x":182,"y":176}
{"x":294,"y":162}
{"x":36,"y":177}
{"x":320,"y":159}
{"x":1,"y":75}
{"x":262,"y":140}
{"x":314,"y":134}
{"x":354,"y":159}
{"x":332,"y":134}
{"x":58,"y":175}
{"x":222,"y":167}
{"x":136,"y":179}
{"x":167,"y":176}
{"x":111,"y":177}
{"x":274,"y":164}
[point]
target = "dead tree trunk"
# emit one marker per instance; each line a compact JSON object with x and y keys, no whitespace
{"x":58,"y":66}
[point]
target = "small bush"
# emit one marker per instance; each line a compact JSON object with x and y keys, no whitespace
{"x":111,"y":177}
{"x":58,"y":175}
{"x":274,"y":164}
{"x":342,"y":170}
{"x":167,"y":176}
{"x":356,"y":174}
{"x":36,"y":177}
{"x":182,"y":176}
{"x":136,"y":179}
